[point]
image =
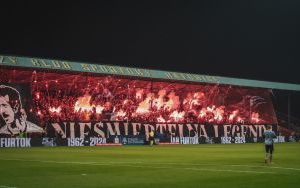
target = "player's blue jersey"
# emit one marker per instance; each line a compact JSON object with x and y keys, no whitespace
{"x":269,"y":136}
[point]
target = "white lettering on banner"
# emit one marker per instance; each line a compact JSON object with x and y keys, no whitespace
{"x":15,"y":142}
{"x":235,"y":130}
{"x":180,"y":129}
{"x":236,"y":140}
{"x":126,"y":128}
{"x":279,"y":139}
{"x":227,"y":130}
{"x":239,"y":140}
{"x":12,"y":142}
{"x":225,"y":140}
{"x":83,"y":126}
{"x":107,"y":129}
{"x":216,"y":130}
{"x":75,"y":142}
{"x":72,"y":130}
{"x":92,"y":141}
{"x":112,"y":131}
{"x":161,"y":128}
{"x":174,"y":139}
{"x":244,"y":130}
{"x":97,"y":140}
{"x":261,"y":129}
{"x":203,"y":131}
{"x":97,"y":129}
{"x":136,"y":128}
{"x":59,"y":130}
{"x":185,"y":140}
{"x":172,"y":129}
{"x":253,"y":131}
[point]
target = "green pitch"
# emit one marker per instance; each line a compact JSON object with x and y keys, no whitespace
{"x":236,"y":165}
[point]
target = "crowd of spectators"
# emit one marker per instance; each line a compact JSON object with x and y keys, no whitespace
{"x":112,"y":99}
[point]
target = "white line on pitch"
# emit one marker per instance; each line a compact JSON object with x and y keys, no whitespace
{"x":142,"y":166}
{"x":4,"y":186}
{"x":233,"y":165}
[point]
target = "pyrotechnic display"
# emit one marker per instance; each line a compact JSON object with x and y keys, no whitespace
{"x":82,"y":97}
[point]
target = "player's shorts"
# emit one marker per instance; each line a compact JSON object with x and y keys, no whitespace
{"x":151,"y":138}
{"x":269,"y":148}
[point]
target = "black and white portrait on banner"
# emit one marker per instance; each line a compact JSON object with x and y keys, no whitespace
{"x":13,"y":116}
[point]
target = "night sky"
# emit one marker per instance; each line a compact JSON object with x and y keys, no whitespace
{"x":243,"y":39}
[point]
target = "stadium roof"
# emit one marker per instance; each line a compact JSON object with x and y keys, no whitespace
{"x":35,"y":63}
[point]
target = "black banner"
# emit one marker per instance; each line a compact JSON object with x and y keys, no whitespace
{"x":162,"y":130}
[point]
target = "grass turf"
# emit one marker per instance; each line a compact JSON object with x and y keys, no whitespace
{"x":235,"y":165}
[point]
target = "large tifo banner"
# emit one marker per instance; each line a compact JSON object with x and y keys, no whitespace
{"x":44,"y":108}
{"x":91,"y":134}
